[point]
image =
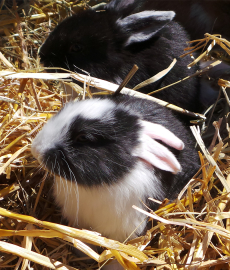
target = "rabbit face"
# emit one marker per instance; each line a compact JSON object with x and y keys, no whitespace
{"x":90,"y":142}
{"x":70,"y":46}
{"x":98,"y":141}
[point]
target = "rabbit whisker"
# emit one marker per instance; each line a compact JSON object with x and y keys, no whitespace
{"x":75,"y":67}
{"x":73,"y":182}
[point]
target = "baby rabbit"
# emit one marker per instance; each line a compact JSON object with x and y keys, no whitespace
{"x":108,"y":43}
{"x":109,"y":153}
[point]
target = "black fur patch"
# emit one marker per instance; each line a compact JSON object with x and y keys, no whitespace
{"x":104,"y":156}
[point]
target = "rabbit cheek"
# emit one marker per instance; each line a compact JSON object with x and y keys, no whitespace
{"x":58,"y":163}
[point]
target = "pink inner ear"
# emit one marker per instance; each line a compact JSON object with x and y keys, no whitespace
{"x":159,"y":132}
{"x":157,"y":155}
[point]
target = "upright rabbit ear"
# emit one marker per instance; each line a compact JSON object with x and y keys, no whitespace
{"x":155,"y":153}
{"x":144,"y":25}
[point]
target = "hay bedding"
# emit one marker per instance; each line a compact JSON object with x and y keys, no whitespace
{"x":190,"y":233}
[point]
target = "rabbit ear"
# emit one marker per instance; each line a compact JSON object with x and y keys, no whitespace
{"x":144,"y":25}
{"x":155,"y":153}
{"x":159,"y":132}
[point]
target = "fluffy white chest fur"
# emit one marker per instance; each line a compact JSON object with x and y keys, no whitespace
{"x":108,"y":209}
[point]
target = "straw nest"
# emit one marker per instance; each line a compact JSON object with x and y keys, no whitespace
{"x":190,"y":233}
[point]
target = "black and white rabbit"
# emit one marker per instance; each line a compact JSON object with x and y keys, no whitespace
{"x":108,"y":43}
{"x":110,"y":153}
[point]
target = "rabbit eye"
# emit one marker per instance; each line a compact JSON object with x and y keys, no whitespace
{"x":81,"y":138}
{"x":75,"y":48}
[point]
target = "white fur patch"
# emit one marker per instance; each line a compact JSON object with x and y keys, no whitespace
{"x":108,"y":209}
{"x":90,"y":108}
{"x":57,"y":127}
